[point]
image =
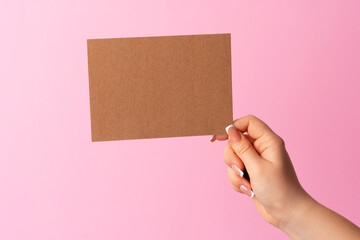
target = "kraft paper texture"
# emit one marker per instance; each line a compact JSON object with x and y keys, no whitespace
{"x":156,"y":87}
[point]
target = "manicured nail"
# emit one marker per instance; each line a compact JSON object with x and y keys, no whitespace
{"x":237,"y":170}
{"x":227,"y":128}
{"x":235,"y":135}
{"x":247,"y":191}
{"x":212,"y":138}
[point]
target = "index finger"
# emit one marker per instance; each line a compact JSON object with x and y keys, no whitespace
{"x":255,"y":127}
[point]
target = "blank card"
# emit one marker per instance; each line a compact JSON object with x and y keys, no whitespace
{"x":156,"y":87}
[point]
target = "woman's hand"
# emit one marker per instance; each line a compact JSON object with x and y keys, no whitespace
{"x":273,"y":184}
{"x":272,"y":176}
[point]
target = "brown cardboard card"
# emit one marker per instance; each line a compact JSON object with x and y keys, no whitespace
{"x":154,"y":87}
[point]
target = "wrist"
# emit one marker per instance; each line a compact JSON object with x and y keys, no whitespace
{"x":297,"y":215}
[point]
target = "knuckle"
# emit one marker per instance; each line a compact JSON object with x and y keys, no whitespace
{"x":279,"y":142}
{"x":235,"y":188}
{"x":242,"y":147}
{"x":282,"y":142}
{"x":250,"y":116}
{"x":226,"y":161}
{"x":230,"y":174}
{"x":233,"y":178}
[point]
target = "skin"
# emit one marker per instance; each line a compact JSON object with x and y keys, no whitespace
{"x":279,"y":197}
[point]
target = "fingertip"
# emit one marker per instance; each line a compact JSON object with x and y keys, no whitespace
{"x":237,"y":170}
{"x":228,"y":127}
{"x":252,"y":194}
{"x":247,"y":191}
{"x":221,"y":137}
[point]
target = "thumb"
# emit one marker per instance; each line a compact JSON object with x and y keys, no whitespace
{"x":243,"y":148}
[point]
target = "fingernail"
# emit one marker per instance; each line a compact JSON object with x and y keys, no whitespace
{"x":247,"y":191}
{"x":237,"y":170}
{"x":235,"y":135}
{"x":212,"y":138}
{"x":227,"y":128}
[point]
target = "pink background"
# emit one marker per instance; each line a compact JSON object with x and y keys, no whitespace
{"x":295,"y":65}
